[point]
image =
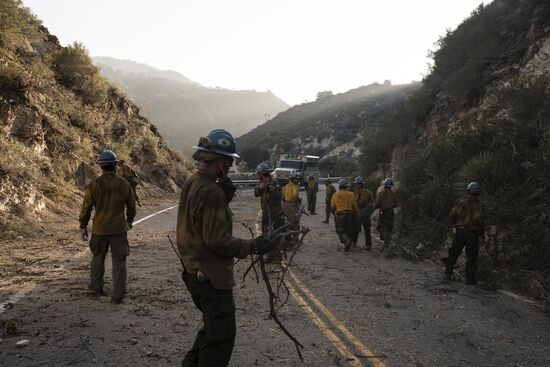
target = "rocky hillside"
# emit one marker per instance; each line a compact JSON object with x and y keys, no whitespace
{"x":184,"y":110}
{"x":328,"y":127}
{"x":482,"y":114}
{"x":56,"y":114}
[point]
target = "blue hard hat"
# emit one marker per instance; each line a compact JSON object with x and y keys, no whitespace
{"x":359,"y":180}
{"x":474,"y":187}
{"x":218,"y":141}
{"x":263,"y":168}
{"x":106,"y":157}
{"x":343,"y":183}
{"x":294,"y":175}
{"x":388,"y":182}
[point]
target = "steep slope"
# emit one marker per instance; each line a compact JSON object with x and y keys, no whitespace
{"x":329,"y":126}
{"x":185,"y":110}
{"x":483,"y":115}
{"x":56,"y":114}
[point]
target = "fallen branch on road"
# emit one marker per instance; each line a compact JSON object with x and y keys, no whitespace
{"x":279,"y":234}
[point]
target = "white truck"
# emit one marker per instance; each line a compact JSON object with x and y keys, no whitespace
{"x":306,"y":165}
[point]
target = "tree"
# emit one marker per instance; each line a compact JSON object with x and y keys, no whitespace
{"x":324,"y":95}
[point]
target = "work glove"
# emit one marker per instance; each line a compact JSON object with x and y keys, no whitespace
{"x":84,"y":234}
{"x":262,"y":245}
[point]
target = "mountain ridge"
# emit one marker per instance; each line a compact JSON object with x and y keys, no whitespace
{"x":184,"y":111}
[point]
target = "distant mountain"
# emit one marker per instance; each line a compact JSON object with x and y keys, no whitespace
{"x":329,"y":127}
{"x":185,"y":110}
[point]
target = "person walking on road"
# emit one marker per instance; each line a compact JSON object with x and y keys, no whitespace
{"x":385,"y":202}
{"x":109,"y":195}
{"x":469,"y":223}
{"x":128,"y":173}
{"x":207,"y":249}
{"x":344,"y":207}
{"x":329,"y":192}
{"x":365,"y":205}
{"x":312,"y":188}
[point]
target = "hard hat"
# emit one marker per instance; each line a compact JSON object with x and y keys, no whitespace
{"x":106,"y":157}
{"x":474,"y":188}
{"x":218,"y":141}
{"x":388,"y":182}
{"x":359,"y":180}
{"x":294,"y":175}
{"x":263,"y":168}
{"x":343,"y":183}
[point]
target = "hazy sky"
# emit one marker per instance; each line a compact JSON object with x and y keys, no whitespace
{"x":293,"y":47}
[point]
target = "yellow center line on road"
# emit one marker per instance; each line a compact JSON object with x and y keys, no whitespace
{"x":338,"y":344}
{"x":335,"y":322}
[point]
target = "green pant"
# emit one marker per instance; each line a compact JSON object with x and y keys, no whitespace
{"x":344,"y":225}
{"x":292,"y":217}
{"x":385,"y":225}
{"x":99,"y":245}
{"x":215,"y":340}
{"x":469,"y":240}
{"x":311,"y":201}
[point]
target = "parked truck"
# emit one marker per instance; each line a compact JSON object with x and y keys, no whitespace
{"x":306,"y":165}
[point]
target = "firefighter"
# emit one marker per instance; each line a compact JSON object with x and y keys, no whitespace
{"x":292,"y":203}
{"x":207,"y":248}
{"x":469,"y":223}
{"x":329,"y":192}
{"x":385,"y":202}
{"x":344,"y":207}
{"x":109,"y":195}
{"x":365,"y":205}
{"x":128,"y":173}
{"x":269,"y":192}
{"x":312,"y":188}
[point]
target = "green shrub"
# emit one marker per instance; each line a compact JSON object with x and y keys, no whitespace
{"x":74,"y":69}
{"x":94,"y":89}
{"x":17,"y":24}
{"x":508,"y":153}
{"x":73,"y":65}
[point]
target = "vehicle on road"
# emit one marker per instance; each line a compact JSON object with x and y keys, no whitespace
{"x":306,"y":165}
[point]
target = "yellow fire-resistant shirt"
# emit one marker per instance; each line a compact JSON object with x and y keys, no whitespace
{"x":291,"y":192}
{"x":344,"y":200}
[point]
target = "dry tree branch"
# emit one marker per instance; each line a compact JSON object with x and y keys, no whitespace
{"x":272,"y":298}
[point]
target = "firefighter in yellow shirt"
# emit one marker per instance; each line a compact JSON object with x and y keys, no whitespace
{"x":344,"y":206}
{"x":292,"y":204}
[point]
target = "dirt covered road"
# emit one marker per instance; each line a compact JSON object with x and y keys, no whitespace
{"x":347,"y":309}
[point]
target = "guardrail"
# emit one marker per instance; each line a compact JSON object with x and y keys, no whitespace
{"x":255,"y":182}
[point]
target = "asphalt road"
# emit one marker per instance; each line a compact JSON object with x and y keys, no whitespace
{"x":347,"y":309}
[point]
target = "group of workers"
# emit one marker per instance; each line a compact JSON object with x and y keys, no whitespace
{"x":352,"y":210}
{"x":207,"y":247}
